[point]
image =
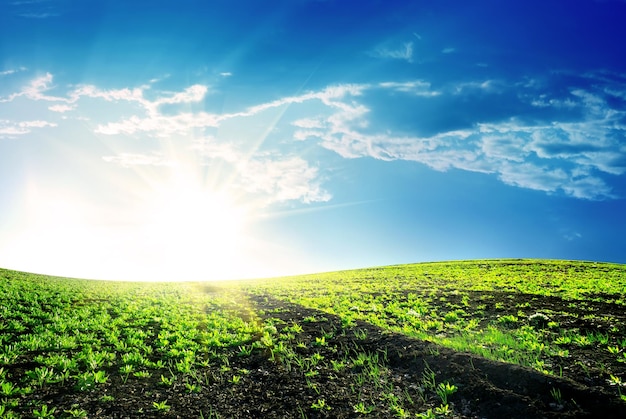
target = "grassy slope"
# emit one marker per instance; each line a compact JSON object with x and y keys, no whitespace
{"x":558,"y":317}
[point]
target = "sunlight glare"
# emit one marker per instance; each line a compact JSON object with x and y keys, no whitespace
{"x":193,"y":229}
{"x":178,"y":230}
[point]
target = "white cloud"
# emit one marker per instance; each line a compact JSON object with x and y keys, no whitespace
{"x":137,"y":159}
{"x":210,"y":148}
{"x":226,"y":74}
{"x":193,"y":93}
{"x":61,"y":108}
{"x":161,"y":125}
{"x":572,"y":235}
{"x":282,"y":179}
{"x":309,"y":123}
{"x":402,"y":53}
{"x":34,"y":90}
{"x":531,"y":176}
{"x":571,"y":156}
{"x":507,"y":146}
{"x":484,"y":86}
{"x":37,"y":124}
{"x":9,"y":129}
{"x":562,"y":156}
{"x":272,"y":177}
{"x":416,"y":87}
{"x":12,"y":71}
{"x":126,"y":94}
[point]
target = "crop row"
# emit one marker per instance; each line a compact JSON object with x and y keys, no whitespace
{"x":547,"y":315}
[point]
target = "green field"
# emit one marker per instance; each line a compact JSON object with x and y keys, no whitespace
{"x":487,"y":338}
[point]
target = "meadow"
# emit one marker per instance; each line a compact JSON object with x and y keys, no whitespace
{"x":471,"y":339}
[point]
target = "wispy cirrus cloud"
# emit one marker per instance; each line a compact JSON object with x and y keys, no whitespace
{"x":403,"y":52}
{"x":11,"y":129}
{"x":568,"y":141}
{"x":272,"y":177}
{"x":570,"y":156}
{"x":61,"y":108}
{"x":415,"y":87}
{"x":129,"y":160}
{"x":36,"y":90}
{"x":12,"y":71}
{"x":269,"y":176}
{"x":157,"y":123}
{"x":35,"y":9}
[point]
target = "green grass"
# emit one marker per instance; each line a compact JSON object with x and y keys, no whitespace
{"x":87,"y":333}
{"x":413,"y":300}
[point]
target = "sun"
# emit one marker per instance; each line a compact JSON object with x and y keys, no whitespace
{"x":193,"y":231}
{"x":176,"y":228}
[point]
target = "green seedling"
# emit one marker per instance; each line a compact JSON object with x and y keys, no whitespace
{"x":556,"y":395}
{"x":193,"y":388}
{"x":615,"y":381}
{"x":320,"y":404}
{"x":44,"y":412}
{"x":9,"y":389}
{"x":75,"y":412}
{"x":613,"y":350}
{"x":161,"y":406}
{"x":429,"y":414}
{"x":41,"y":376}
{"x":444,"y":390}
{"x":363,"y":409}
{"x":245,"y":351}
{"x":167,"y":381}
{"x":443,"y":410}
{"x":142,"y":374}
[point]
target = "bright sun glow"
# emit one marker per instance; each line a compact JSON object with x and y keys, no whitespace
{"x":179,"y":230}
{"x":195,"y":229}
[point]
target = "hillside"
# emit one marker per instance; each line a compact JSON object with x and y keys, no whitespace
{"x":487,"y":338}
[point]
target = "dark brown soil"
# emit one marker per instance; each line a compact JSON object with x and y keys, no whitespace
{"x":272,"y":386}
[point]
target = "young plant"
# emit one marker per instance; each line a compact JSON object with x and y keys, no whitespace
{"x":443,"y":410}
{"x":9,"y":389}
{"x":41,"y":375}
{"x":320,"y":404}
{"x":126,"y":370}
{"x":44,"y":412}
{"x":429,"y":414}
{"x":556,"y":395}
{"x":88,"y":380}
{"x":444,"y":390}
{"x":362,"y":408}
{"x":142,"y":374}
{"x":193,"y":388}
{"x":245,"y":351}
{"x":167,"y":381}
{"x":161,"y":406}
{"x":75,"y":412}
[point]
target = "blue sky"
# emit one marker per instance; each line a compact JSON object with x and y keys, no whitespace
{"x":226,"y":139}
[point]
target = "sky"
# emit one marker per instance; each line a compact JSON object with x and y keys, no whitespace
{"x":196,"y":140}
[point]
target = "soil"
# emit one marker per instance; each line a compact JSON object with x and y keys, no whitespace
{"x":273,"y":388}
